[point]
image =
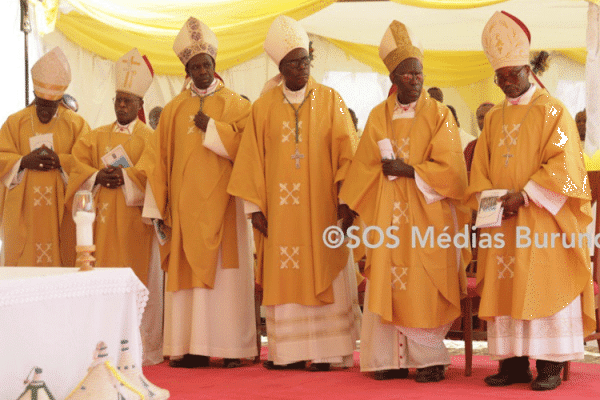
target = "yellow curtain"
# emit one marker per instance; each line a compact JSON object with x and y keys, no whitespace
{"x":577,"y":55}
{"x":151,"y":26}
{"x":449,"y":3}
{"x":441,"y":68}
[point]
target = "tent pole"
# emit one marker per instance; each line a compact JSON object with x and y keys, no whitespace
{"x":26,"y":28}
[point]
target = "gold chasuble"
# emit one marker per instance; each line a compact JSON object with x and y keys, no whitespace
{"x":121,"y":238}
{"x":416,"y":279}
{"x":294,"y":182}
{"x":37,"y":228}
{"x":529,"y":280}
{"x":189,"y":184}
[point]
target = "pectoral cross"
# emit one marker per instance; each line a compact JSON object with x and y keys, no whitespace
{"x":130,"y":72}
{"x":507,"y":156}
{"x":297,"y":156}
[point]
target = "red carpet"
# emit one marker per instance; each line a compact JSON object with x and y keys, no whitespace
{"x":253,"y":381}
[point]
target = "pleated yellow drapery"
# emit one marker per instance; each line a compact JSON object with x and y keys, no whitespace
{"x":110,"y":29}
{"x":448,"y":3}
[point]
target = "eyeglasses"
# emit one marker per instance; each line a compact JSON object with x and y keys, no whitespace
{"x":511,"y":76}
{"x":409,"y":76}
{"x":299,"y":62}
{"x":125,"y":100}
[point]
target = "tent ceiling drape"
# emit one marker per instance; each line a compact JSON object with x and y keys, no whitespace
{"x":449,"y":29}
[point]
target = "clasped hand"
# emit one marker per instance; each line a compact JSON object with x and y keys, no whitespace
{"x":41,"y":159}
{"x":259,"y":222}
{"x":347,"y":216}
{"x":397,"y":167}
{"x":511,"y":203}
{"x":110,"y":177}
{"x":201,"y":120}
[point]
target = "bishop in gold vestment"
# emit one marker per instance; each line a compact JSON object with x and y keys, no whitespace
{"x":535,"y":283}
{"x":35,"y":160}
{"x":414,"y":288}
{"x":209,"y":307}
{"x":295,"y":151}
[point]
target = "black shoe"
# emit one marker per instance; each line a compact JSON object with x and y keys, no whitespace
{"x":316,"y":367}
{"x":548,"y":377}
{"x":434,"y":373}
{"x":512,"y":370}
{"x":296,"y":365}
{"x":190,"y":361}
{"x":387,"y":374}
{"x":232,"y":363}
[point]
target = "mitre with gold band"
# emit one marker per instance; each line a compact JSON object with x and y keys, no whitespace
{"x":195,"y":38}
{"x":398,"y":44}
{"x":51,"y":75}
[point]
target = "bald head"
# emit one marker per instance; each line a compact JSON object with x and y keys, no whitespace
{"x":580,"y":120}
{"x":436,"y":93}
{"x":480,"y":113}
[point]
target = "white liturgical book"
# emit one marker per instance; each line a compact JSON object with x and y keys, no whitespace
{"x":35,"y":142}
{"x":490,"y":209}
{"x":387,"y":153}
{"x":117,"y":157}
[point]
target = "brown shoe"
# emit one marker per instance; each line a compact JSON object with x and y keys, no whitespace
{"x":512,"y":370}
{"x":273,"y":366}
{"x":190,"y":361}
{"x":316,"y":367}
{"x":548,"y":377}
{"x":387,"y":374}
{"x":232,"y":363}
{"x":435,"y":373}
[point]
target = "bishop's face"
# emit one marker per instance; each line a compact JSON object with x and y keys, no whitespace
{"x":201,"y":68}
{"x":295,"y":68}
{"x":408,"y":77}
{"x":127,"y":106}
{"x":514,"y":81}
{"x":45,"y":109}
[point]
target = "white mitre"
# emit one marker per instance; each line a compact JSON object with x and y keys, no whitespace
{"x":51,"y":75}
{"x":506,"y":41}
{"x":133,"y":74}
{"x":285,"y":35}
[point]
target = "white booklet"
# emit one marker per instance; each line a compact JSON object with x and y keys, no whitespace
{"x":490,"y":209}
{"x":35,"y":142}
{"x":387,"y":153}
{"x":117,"y":157}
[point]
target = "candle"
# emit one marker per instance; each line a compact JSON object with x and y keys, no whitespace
{"x":85,"y":231}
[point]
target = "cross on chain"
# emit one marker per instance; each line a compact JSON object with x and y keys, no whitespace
{"x":297,"y":155}
{"x":130,"y":72}
{"x":505,"y":266}
{"x":398,"y":278}
{"x":508,"y":140}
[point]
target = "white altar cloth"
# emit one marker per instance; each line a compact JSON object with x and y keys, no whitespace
{"x":54,"y":317}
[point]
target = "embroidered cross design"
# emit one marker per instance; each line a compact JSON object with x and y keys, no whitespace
{"x":130,"y":72}
{"x":191,"y":129}
{"x":43,"y":252}
{"x":289,"y":132}
{"x":289,"y":258}
{"x":102,"y":211}
{"x":401,"y":213}
{"x":504,"y":264}
{"x":508,"y":135}
{"x":397,"y":279}
{"x":43,"y":196}
{"x":401,"y":149}
{"x":286,"y":194}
